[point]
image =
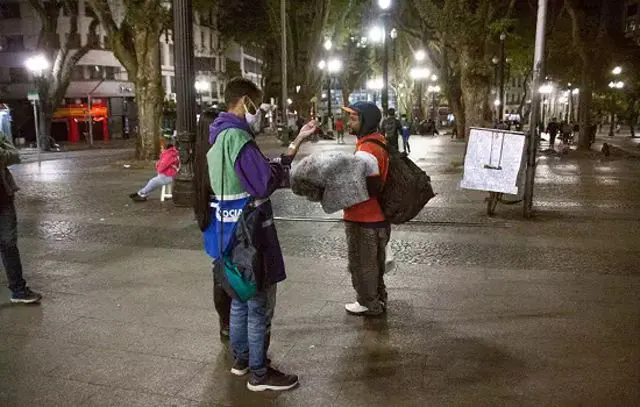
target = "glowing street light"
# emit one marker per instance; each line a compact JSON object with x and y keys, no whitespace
{"x":496,"y":102}
{"x":420,"y":55}
{"x":546,"y":89}
{"x":617,"y":70}
{"x":376,"y":34}
{"x":334,"y":66}
{"x":322,"y":64}
{"x":202,"y":87}
{"x":616,"y":85}
{"x":434,"y":77}
{"x":374,"y":84}
{"x":37,"y":64}
{"x":384,"y":4}
{"x":328,"y":44}
{"x":419,"y":73}
{"x":433,"y":89}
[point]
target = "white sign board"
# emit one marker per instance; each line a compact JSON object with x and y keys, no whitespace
{"x":494,"y":161}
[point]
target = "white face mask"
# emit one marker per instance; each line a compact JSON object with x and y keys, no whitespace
{"x":254,"y":120}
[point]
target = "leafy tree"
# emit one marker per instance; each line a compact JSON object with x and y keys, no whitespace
{"x":591,"y":26}
{"x":63,"y":56}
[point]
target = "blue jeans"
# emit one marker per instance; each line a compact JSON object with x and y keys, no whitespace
{"x":154,"y":183}
{"x":9,"y":245}
{"x":249,"y":328}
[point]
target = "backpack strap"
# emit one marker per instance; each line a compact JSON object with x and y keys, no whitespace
{"x":379,"y":143}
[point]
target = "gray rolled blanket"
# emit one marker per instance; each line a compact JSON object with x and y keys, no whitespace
{"x":336,"y":180}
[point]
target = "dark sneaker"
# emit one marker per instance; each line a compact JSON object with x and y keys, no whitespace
{"x":240,"y":368}
{"x":273,"y":380}
{"x":26,"y":297}
{"x":137,"y":198}
{"x":224,"y":334}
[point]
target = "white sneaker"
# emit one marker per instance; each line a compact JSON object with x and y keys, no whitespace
{"x":355,"y":308}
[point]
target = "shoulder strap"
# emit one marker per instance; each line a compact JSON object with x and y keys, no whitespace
{"x":379,"y":143}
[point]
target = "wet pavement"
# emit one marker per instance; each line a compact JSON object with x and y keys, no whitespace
{"x":482,"y":311}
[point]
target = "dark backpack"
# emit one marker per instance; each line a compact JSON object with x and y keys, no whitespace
{"x":407,"y":188}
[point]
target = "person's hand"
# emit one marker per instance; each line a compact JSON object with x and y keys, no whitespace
{"x":308,"y":130}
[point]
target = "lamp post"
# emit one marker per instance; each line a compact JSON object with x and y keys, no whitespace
{"x":420,"y":56}
{"x":434,"y":90}
{"x":202,"y":87}
{"x":375,"y":85}
{"x":384,"y":6}
{"x":545,"y":90}
{"x":613,"y":85}
{"x":500,"y":63}
{"x":419,"y":74}
{"x":36,"y":65}
{"x":185,"y":99}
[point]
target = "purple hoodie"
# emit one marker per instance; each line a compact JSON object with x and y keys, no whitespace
{"x":259,"y":177}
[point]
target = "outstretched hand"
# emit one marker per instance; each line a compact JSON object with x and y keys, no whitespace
{"x":308,"y":130}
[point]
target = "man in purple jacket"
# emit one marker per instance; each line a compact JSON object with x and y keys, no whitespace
{"x":239,"y":171}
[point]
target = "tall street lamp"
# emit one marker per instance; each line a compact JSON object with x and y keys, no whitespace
{"x":202,"y":87}
{"x":36,"y":65}
{"x":185,"y":99}
{"x":375,"y":85}
{"x":545,"y":90}
{"x":419,"y":74}
{"x":434,"y":90}
{"x":332,"y":67}
{"x":613,"y":85}
{"x":500,"y":62}
{"x":385,"y":5}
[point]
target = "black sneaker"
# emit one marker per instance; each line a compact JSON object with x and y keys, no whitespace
{"x":240,"y":368}
{"x":273,"y":380}
{"x":26,"y":297}
{"x":137,"y":198}
{"x":224,"y":334}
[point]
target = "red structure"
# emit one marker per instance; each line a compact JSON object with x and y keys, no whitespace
{"x":77,"y":118}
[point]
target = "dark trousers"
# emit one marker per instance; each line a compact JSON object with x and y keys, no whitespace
{"x":366,"y":255}
{"x":9,"y":245}
{"x":552,"y":139}
{"x":405,"y":144}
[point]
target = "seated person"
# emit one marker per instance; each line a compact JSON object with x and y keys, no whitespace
{"x":167,"y":167}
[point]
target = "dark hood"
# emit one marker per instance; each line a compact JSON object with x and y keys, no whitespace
{"x":370,"y":117}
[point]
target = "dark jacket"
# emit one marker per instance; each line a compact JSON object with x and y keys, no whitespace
{"x":9,"y":155}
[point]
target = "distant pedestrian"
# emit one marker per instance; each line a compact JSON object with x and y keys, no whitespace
{"x":167,"y":167}
{"x":552,"y":129}
{"x":20,"y":293}
{"x":432,"y":128}
{"x":405,"y":139}
{"x":392,"y":128}
{"x":340,"y":130}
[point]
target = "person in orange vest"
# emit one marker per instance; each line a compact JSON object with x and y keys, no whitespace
{"x":367,"y":229}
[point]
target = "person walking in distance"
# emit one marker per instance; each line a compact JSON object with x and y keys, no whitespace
{"x":367,"y":229}
{"x":340,"y":130}
{"x":552,"y":129}
{"x":20,"y":293}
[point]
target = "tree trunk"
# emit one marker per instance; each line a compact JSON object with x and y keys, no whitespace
{"x":149,"y":96}
{"x":584,"y":110}
{"x":45,"y":115}
{"x":476,"y":86}
{"x":457,"y":106}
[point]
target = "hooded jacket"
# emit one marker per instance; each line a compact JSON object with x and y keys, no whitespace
{"x":169,"y":162}
{"x":369,"y":213}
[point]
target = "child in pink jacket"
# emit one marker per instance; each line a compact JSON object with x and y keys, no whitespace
{"x":167,"y":167}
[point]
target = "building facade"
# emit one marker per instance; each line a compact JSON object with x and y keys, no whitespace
{"x":632,"y":20}
{"x":99,"y":76}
